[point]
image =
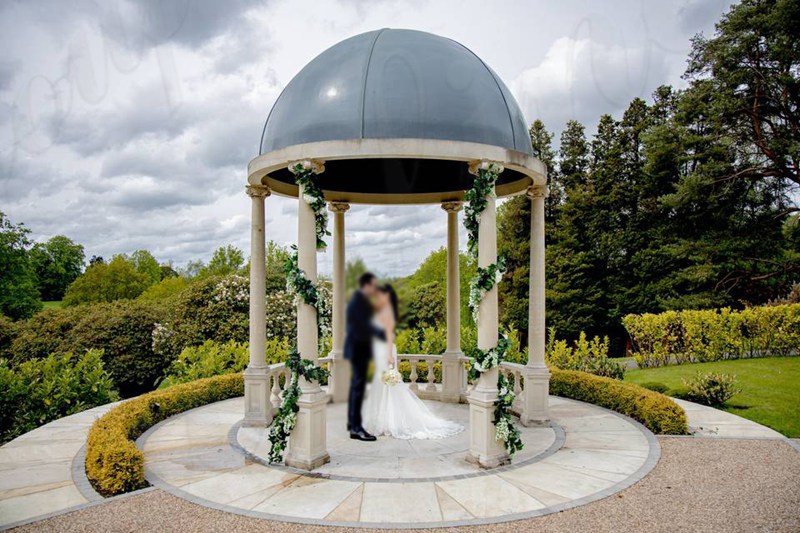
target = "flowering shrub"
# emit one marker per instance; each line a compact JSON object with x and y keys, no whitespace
{"x":41,"y":390}
{"x":218,"y":309}
{"x":710,"y":388}
{"x":213,"y":359}
{"x":585,"y":355}
{"x":677,"y":337}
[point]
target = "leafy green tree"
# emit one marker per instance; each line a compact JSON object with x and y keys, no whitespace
{"x":352,"y":271}
{"x":165,"y":288}
{"x":144,"y":263}
{"x":193,"y":269}
{"x":19,"y":297}
{"x":750,"y":73}
{"x":426,"y":306}
{"x":226,"y":260}
{"x":276,"y":258}
{"x":57,"y":263}
{"x":573,"y":155}
{"x":168,"y":271}
{"x":427,"y":287}
{"x":107,"y":282}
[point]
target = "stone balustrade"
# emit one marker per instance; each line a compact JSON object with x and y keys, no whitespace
{"x":422,"y":378}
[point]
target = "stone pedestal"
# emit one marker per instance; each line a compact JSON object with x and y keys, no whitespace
{"x":484,"y":449}
{"x":308,"y":443}
{"x":535,"y":397}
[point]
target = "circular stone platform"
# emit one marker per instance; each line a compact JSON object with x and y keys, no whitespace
{"x":586,"y":454}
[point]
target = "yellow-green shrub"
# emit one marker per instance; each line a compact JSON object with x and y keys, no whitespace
{"x":113,"y":462}
{"x":657,"y":412}
{"x":693,"y":336}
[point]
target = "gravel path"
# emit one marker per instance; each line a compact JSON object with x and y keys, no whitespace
{"x":699,"y":485}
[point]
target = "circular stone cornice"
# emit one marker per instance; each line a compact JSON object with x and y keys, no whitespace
{"x":529,"y":170}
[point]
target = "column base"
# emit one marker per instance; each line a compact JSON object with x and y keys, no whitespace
{"x":257,"y":407}
{"x":452,"y":377}
{"x":484,"y":449}
{"x":339,"y":380}
{"x":535,"y":397}
{"x":307,"y":445}
{"x":488,"y":461}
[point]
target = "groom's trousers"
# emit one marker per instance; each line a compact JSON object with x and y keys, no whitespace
{"x":358,"y":384}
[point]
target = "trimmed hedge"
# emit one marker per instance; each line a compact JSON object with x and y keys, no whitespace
{"x":657,"y":412}
{"x":698,"y":336}
{"x":113,"y":462}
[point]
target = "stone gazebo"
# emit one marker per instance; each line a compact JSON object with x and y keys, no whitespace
{"x":396,"y":117}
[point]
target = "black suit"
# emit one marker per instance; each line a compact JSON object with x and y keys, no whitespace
{"x":358,"y":350}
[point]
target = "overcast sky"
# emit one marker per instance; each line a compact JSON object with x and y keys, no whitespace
{"x":128,"y":125}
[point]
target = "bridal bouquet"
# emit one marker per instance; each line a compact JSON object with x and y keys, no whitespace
{"x":391,"y":377}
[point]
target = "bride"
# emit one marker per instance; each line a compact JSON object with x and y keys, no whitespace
{"x":395,"y":410}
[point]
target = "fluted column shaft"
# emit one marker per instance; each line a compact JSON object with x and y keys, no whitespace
{"x":536,"y":375}
{"x":339,"y":379}
{"x":258,"y":410}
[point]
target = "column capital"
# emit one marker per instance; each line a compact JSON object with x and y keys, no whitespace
{"x":537,"y":191}
{"x":452,"y":207}
{"x":338,"y":207}
{"x":257,"y":191}
{"x":317,"y":166}
{"x":485,"y":164}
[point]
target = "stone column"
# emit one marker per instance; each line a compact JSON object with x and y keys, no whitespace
{"x":307,"y":445}
{"x":484,"y":449}
{"x":338,"y":382}
{"x":452,"y":369}
{"x":258,"y":409}
{"x":536,"y":374}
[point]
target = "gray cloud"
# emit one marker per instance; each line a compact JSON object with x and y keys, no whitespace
{"x":129,"y":124}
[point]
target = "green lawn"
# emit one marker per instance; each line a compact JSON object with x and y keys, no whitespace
{"x":770,"y":388}
{"x":52,"y":305}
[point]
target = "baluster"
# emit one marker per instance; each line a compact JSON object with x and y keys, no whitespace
{"x":518,"y":384}
{"x":413,"y":376}
{"x":275,"y":397}
{"x":431,"y":377}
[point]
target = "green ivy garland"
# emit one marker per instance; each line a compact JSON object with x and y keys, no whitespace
{"x":482,"y":282}
{"x":298,"y":284}
{"x":286,"y":418}
{"x":485,"y":278}
{"x":505,"y":429}
{"x":303,"y":288}
{"x":305,"y":174}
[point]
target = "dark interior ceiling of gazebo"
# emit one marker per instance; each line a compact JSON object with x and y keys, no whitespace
{"x":396,"y":176}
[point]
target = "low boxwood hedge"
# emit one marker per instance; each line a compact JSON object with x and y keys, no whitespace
{"x":657,"y":412}
{"x":113,"y":462}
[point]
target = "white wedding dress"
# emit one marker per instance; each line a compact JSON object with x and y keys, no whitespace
{"x":396,"y":411}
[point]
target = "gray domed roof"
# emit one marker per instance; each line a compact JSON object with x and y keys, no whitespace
{"x":396,"y":84}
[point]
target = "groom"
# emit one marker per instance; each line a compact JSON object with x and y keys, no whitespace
{"x":358,"y":350}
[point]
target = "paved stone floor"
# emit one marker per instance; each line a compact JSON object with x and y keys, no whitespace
{"x":698,"y":486}
{"x":41,"y":474}
{"x":36,"y":469}
{"x":709,"y":422}
{"x":195,"y":456}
